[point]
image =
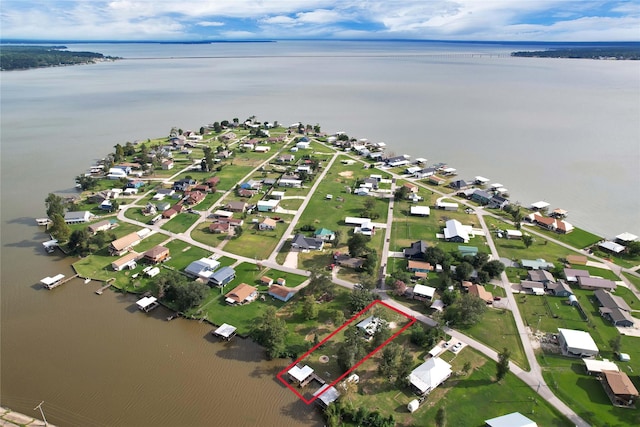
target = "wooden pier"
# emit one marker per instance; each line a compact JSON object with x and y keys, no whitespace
{"x":312,"y":377}
{"x":102,"y":289}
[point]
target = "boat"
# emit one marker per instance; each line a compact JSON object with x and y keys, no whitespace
{"x":87,"y":280}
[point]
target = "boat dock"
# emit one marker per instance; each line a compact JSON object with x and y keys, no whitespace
{"x":50,"y":245}
{"x":43,"y":221}
{"x":55,"y":281}
{"x":102,"y":289}
{"x":226,"y":332}
{"x":312,"y":377}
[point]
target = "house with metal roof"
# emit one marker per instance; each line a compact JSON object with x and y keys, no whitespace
{"x":426,"y":377}
{"x":577,"y":343}
{"x":222,"y":276}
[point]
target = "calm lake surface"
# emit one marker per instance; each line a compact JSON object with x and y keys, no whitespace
{"x":563,"y":131}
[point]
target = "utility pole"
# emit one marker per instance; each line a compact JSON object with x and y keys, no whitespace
{"x":41,"y":413}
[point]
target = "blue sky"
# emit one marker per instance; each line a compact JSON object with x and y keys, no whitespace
{"x":499,"y":20}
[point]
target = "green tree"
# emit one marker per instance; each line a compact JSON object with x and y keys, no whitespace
{"x":337,"y":238}
{"x":351,"y":350}
{"x":309,"y":308}
{"x":202,"y":130}
{"x":502,"y":367}
{"x":79,"y":242}
{"x":237,"y":232}
{"x":389,"y":360}
{"x":319,"y":284}
{"x":494,"y":268}
{"x":358,"y":244}
{"x":271,"y":332}
{"x":401,"y":193}
{"x":338,"y":318}
{"x":463,"y":271}
{"x":360,"y":298}
{"x":527,"y":240}
{"x":118,"y":155}
{"x":466,"y":311}
{"x":54,"y":205}
{"x":480,"y":259}
{"x":633,"y":248}
{"x":58,"y":228}
{"x":99,"y":239}
{"x":86,"y":182}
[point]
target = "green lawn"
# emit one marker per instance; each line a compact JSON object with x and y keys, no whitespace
{"x":498,"y":330}
{"x":468,"y":399}
{"x":183,"y":254}
{"x":254,"y":243}
{"x":578,"y":238}
{"x":584,"y":393}
{"x":135,"y":213}
{"x":291,"y":204}
{"x":180,"y":223}
{"x":548,"y":313}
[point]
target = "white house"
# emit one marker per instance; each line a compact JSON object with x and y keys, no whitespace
{"x":350,"y":220}
{"x":577,"y":343}
{"x":303,"y":145}
{"x":116,"y":173}
{"x":426,"y":377}
{"x":454,"y":231}
{"x":424,"y":291}
{"x":447,"y":206}
{"x":514,"y":419}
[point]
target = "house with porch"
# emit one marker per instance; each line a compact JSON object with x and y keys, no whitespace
{"x":222,"y":276}
{"x":417,"y":250}
{"x":281,"y":293}
{"x":621,"y":391}
{"x":202,"y":269}
{"x":324,"y":234}
{"x":124,"y":244}
{"x":454,"y":231}
{"x":242,"y":294}
{"x":156,"y":254}
{"x":302,"y":243}
{"x":429,"y":375}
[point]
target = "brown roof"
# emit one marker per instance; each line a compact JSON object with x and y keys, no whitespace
{"x":125,"y":242}
{"x":213,"y":181}
{"x":125,"y":259}
{"x":577,"y":259}
{"x":156,"y":252}
{"x":236,"y":206}
{"x":279,"y":290}
{"x":99,"y":225}
{"x":266,"y":279}
{"x":620,"y":383}
{"x":219,"y":226}
{"x":419,"y":264}
{"x":480,"y":292}
{"x":269,"y":222}
{"x":241,"y":292}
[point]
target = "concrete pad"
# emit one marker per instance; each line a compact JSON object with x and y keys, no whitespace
{"x":18,"y":418}
{"x":291,"y":260}
{"x":598,"y":265}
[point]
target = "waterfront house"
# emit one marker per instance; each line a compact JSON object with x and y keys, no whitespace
{"x":625,"y":238}
{"x":417,"y":250}
{"x":429,"y":375}
{"x":156,"y":254}
{"x":436,"y":180}
{"x":577,"y":343}
{"x":326,"y":395}
{"x":424,"y":173}
{"x":124,"y":244}
{"x":459,"y":184}
{"x":99,"y":226}
{"x":302,"y":243}
{"x":222,"y":276}
{"x":481,"y":196}
{"x":281,"y":293}
{"x":620,"y":389}
{"x":394,"y":162}
{"x":128,"y":261}
{"x":612,"y":247}
{"x":202,"y":268}
{"x":267,"y":224}
{"x":454,"y":231}
{"x":300,"y":376}
{"x":241,"y":294}
{"x":78,"y":217}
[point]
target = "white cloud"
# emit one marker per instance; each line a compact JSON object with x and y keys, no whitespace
{"x":210,"y":24}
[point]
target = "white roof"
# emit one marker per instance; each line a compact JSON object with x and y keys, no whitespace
{"x":455,"y":228}
{"x":517,"y":233}
{"x":424,"y":290}
{"x":300,"y":373}
{"x":278,"y":193}
{"x":369,"y":324}
{"x":514,"y":419}
{"x":448,"y":170}
{"x":438,"y":305}
{"x":269,"y":203}
{"x":540,"y":205}
{"x":350,"y":220}
{"x":52,"y":280}
{"x":447,"y":205}
{"x":496,"y":185}
{"x":600,"y":365}
{"x":146,"y":302}
{"x":430,"y":374}
{"x":420,"y":210}
{"x":578,"y":339}
{"x":327,"y":394}
{"x":203,"y":267}
{"x":627,"y":237}
{"x":612,"y":246}
{"x":153,"y":272}
{"x":481,"y":179}
{"x":224,"y":213}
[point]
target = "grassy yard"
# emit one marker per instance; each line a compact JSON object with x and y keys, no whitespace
{"x":548,"y":313}
{"x":468,"y":398}
{"x":578,"y":238}
{"x":291,"y":204}
{"x":584,"y":393}
{"x":257,"y":244}
{"x":180,"y":223}
{"x":183,"y":254}
{"x":497,"y":329}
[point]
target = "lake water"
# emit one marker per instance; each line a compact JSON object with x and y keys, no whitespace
{"x":563,"y":131}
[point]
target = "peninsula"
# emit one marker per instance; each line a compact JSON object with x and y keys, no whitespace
{"x":24,"y":57}
{"x":400,"y":292}
{"x":619,"y":52}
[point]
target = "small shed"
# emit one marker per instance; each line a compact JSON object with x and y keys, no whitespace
{"x":413,"y":405}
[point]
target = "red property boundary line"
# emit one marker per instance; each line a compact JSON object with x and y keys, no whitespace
{"x":412,"y":320}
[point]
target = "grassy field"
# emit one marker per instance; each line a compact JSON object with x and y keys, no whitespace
{"x":255,"y":243}
{"x":468,"y":398}
{"x":578,"y":238}
{"x":183,"y":254}
{"x":548,"y":313}
{"x":584,"y":393}
{"x":180,"y":223}
{"x":498,"y":330}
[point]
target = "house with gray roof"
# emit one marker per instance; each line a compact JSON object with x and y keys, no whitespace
{"x":222,"y":276}
{"x":614,"y":308}
{"x":302,"y":243}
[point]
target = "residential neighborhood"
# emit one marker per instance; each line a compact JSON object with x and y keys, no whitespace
{"x":284,"y":235}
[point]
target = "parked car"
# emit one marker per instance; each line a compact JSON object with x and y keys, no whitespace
{"x":456,"y":347}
